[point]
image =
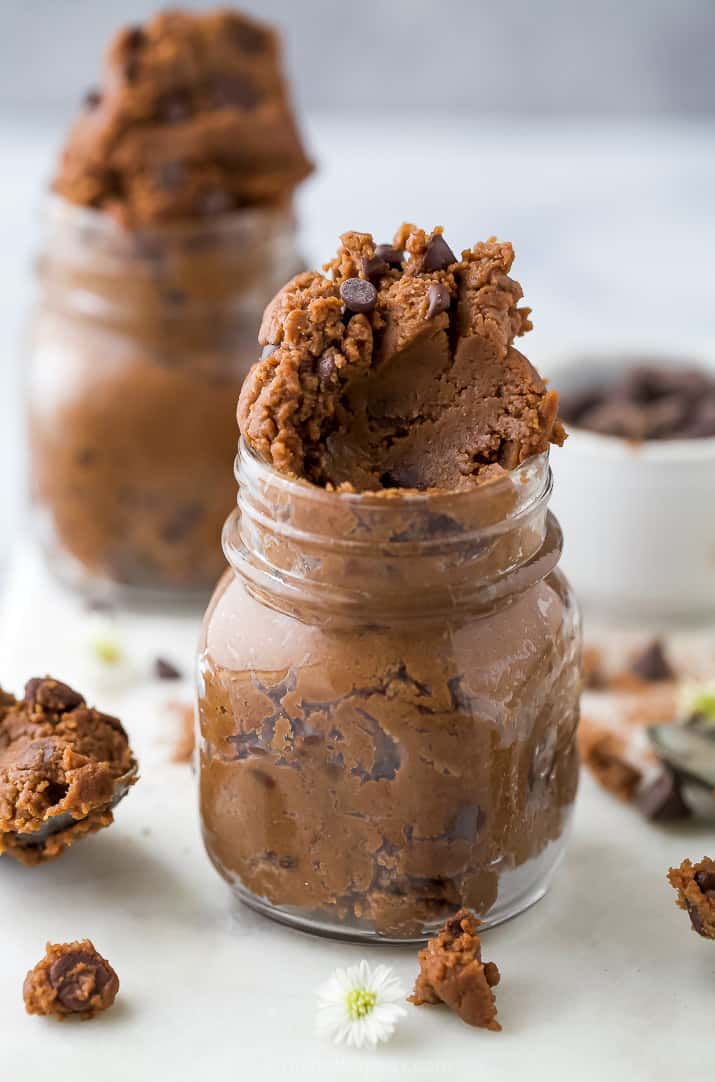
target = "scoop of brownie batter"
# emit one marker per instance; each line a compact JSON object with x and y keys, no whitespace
{"x":452,"y":972}
{"x":192,"y":118}
{"x":63,"y":766}
{"x":72,"y":978}
{"x":397,"y":370}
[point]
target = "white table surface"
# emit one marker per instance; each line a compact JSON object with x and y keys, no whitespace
{"x":602,"y":979}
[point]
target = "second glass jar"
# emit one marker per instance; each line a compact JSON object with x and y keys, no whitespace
{"x":137,"y":353}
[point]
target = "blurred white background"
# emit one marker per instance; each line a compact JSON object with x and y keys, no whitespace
{"x":582,"y":131}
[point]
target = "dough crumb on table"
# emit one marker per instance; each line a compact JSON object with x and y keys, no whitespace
{"x":63,"y":767}
{"x":71,"y":979}
{"x":604,"y":753}
{"x":695,"y":884}
{"x":452,"y":972}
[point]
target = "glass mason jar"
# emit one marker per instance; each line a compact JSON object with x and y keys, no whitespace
{"x":388,"y":699}
{"x":137,"y":353}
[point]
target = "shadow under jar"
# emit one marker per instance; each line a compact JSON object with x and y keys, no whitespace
{"x":138,"y":349}
{"x":388,"y":699}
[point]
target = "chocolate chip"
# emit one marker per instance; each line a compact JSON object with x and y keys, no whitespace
{"x":134,"y":37}
{"x":170,"y":176}
{"x":437,"y":255}
{"x":51,"y":695}
{"x":213,"y":201}
{"x":77,"y":977}
{"x":392,"y":256}
{"x":131,"y":69}
{"x":662,"y":800}
{"x":251,"y":39}
{"x":92,"y":98}
{"x":166,"y":670}
{"x":696,"y":919}
{"x":237,"y":90}
{"x":268,"y":351}
{"x":438,"y":300}
{"x":326,"y":367}
{"x":375,"y":267}
{"x":706,"y":881}
{"x":174,"y":108}
{"x":182,"y":523}
{"x":358,"y":295}
{"x":652,"y":664}
{"x":174,"y":297}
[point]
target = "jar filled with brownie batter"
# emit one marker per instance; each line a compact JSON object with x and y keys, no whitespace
{"x":393,"y":739}
{"x":138,"y":348}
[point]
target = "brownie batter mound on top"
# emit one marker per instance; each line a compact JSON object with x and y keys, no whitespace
{"x":192,"y":119}
{"x":452,"y":972}
{"x":71,"y":979}
{"x":398,"y":370}
{"x":62,"y":764}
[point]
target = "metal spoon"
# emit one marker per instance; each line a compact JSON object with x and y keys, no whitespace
{"x":57,"y":823}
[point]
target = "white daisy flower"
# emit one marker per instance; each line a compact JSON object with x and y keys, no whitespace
{"x":360,"y":1006}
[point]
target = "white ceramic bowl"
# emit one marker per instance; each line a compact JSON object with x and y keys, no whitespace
{"x":638,"y":520}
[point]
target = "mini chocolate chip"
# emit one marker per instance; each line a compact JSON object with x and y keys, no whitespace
{"x":251,"y":39}
{"x":662,"y":800}
{"x":170,"y":176}
{"x":213,"y":201}
{"x":174,"y":108}
{"x":652,"y":664}
{"x":134,"y":37}
{"x":76,"y":978}
{"x":326,"y":366}
{"x":437,"y":255}
{"x":438,"y":300}
{"x":358,"y":295}
{"x":375,"y":267}
{"x":695,"y":919}
{"x":166,"y":670}
{"x":51,"y":694}
{"x":86,"y":456}
{"x":92,"y":98}
{"x":392,"y":256}
{"x":235,"y":90}
{"x":706,"y":881}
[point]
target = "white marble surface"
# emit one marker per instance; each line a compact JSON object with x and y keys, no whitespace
{"x":602,"y":979}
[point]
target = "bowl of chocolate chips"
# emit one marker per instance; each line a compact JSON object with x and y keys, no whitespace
{"x":635,"y":485}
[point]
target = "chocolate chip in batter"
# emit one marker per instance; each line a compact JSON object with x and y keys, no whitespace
{"x":182,"y":523}
{"x":174,"y":108}
{"x":92,"y":98}
{"x":358,"y":295}
{"x":235,"y":90}
{"x":652,"y":664}
{"x":72,"y":978}
{"x":326,"y":367}
{"x":51,"y":695}
{"x":392,"y":256}
{"x":438,"y":300}
{"x":706,"y":881}
{"x":375,"y":267}
{"x":249,"y":38}
{"x":166,"y":670}
{"x":437,"y":255}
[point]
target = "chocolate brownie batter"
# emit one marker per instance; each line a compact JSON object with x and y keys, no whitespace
{"x":394,"y":736}
{"x":191,"y":119}
{"x":71,"y":979}
{"x":452,"y":972}
{"x":695,"y":884}
{"x":398,"y":370}
{"x":63,"y":767}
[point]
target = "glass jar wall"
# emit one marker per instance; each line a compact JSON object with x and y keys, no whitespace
{"x":388,"y":698}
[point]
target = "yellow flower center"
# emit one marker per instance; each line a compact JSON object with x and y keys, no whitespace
{"x":360,"y":1003}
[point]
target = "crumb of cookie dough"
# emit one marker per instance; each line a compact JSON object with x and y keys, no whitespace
{"x":452,"y":972}
{"x":192,"y":118}
{"x":71,"y":979}
{"x":695,"y":884}
{"x":61,"y":761}
{"x":604,"y":753}
{"x":397,"y":369}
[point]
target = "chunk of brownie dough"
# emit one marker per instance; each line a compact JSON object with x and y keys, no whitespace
{"x":63,"y":766}
{"x":192,"y":119}
{"x":398,"y":370}
{"x":695,"y":884}
{"x":452,"y":972}
{"x":72,"y":979}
